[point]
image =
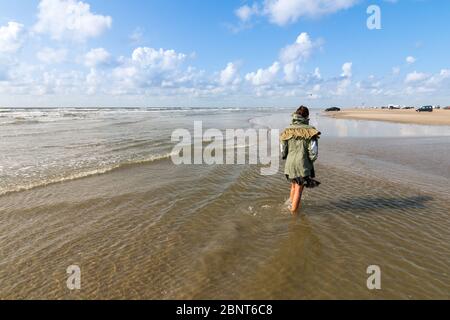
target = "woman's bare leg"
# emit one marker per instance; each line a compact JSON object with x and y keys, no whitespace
{"x":298,"y":192}
{"x":292,"y":192}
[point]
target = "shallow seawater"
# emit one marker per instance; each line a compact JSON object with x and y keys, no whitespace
{"x":153,"y":230}
{"x":345,"y":128}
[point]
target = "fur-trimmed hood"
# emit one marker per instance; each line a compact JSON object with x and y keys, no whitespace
{"x":300,"y":129}
{"x":300,"y":132}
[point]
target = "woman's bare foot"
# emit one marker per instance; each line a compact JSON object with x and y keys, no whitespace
{"x":294,"y":212}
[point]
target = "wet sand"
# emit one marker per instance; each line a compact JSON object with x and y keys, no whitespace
{"x":437,"y":117}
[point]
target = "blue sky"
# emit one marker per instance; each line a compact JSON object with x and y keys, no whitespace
{"x":223,"y":53}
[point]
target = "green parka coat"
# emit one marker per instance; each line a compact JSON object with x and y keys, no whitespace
{"x":299,"y":144}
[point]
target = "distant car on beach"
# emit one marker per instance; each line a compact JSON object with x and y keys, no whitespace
{"x":425,"y":109}
{"x":334,"y":109}
{"x":446,"y":108}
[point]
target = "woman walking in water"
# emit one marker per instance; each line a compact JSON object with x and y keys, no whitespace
{"x":300,"y":148}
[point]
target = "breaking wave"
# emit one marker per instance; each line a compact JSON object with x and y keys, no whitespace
{"x":83,"y":174}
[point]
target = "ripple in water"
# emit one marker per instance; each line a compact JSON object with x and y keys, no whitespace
{"x":159,"y":231}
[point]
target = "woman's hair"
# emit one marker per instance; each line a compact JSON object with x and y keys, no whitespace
{"x":303,"y":112}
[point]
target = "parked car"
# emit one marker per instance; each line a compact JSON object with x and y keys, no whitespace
{"x":446,"y":108}
{"x":408,"y":108}
{"x":394,"y":108}
{"x":334,"y":109}
{"x":425,"y":109}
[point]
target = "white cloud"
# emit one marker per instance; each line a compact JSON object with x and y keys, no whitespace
{"x":295,"y":53}
{"x":11,"y":37}
{"x":410,"y":60}
{"x":264,"y":76}
{"x":289,"y":62}
{"x":96,"y":57}
{"x":419,"y":90}
{"x":70,"y":19}
{"x":151,"y":68}
{"x":291,"y":72}
{"x":229,"y":75}
{"x":346,"y":79}
{"x":415,"y":77}
{"x":347,"y":70}
{"x":137,"y":35}
{"x":396,"y":71}
{"x":93,"y":81}
{"x":52,"y":56}
{"x":317,"y":74}
{"x":300,"y":50}
{"x":126,"y":74}
{"x":145,"y":72}
{"x":438,"y":79}
{"x":342,"y":87}
{"x":445,"y":73}
{"x":158,"y":59}
{"x":245,"y":13}
{"x":282,"y":12}
{"x":33,"y":80}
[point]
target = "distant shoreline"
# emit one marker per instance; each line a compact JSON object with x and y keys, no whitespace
{"x":435,"y":118}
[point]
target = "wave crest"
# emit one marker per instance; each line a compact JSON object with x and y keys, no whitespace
{"x":83,"y":174}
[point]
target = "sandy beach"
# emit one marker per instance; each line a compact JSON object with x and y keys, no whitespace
{"x":437,"y":117}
